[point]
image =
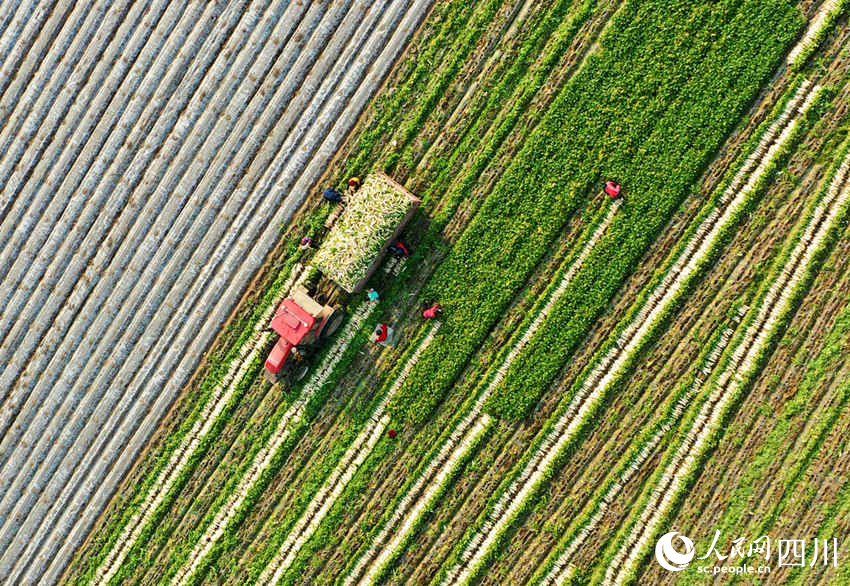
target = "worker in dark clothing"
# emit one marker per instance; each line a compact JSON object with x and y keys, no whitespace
{"x":613,"y":189}
{"x":332,"y":195}
{"x":399,"y":249}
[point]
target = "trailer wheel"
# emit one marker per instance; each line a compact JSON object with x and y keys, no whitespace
{"x":334,"y":321}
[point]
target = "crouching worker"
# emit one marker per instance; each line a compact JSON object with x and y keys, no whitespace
{"x":432,"y":311}
{"x":613,"y":190}
{"x":399,"y":249}
{"x":332,"y":195}
{"x":383,"y":335}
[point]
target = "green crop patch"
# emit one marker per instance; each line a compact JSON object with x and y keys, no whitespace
{"x":647,"y":111}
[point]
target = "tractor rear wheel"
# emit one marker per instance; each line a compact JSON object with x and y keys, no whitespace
{"x":334,"y":321}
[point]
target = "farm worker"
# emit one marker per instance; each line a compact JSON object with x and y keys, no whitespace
{"x":399,"y":249}
{"x":431,"y":312}
{"x":332,"y":195}
{"x":612,"y":188}
{"x":372,"y":295}
{"x":306,"y":242}
{"x":391,"y":433}
{"x":381,"y":333}
{"x":354,"y":183}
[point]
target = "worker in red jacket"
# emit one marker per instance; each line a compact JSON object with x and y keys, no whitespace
{"x":381,"y":333}
{"x":432,"y":311}
{"x":613,"y":189}
{"x":399,"y":249}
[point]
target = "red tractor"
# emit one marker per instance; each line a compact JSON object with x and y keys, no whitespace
{"x":303,"y":323}
{"x":360,"y":233}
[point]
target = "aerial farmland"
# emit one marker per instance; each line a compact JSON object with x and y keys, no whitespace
{"x":496,"y":292}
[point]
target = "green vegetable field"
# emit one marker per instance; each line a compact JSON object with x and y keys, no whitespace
{"x":602,"y":372}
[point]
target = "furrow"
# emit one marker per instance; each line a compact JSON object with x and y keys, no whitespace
{"x":66,"y":180}
{"x":126,"y":124}
{"x":414,"y":511}
{"x":36,"y":26}
{"x":562,"y":566}
{"x":76,"y":437}
{"x":742,"y":365}
{"x":219,"y":398}
{"x":33,"y":107}
{"x":86,"y":107}
{"x":610,"y":366}
{"x":9,"y":36}
{"x":167,"y":207}
{"x":293,"y":416}
{"x":91,"y":118}
{"x":348,"y":465}
{"x":47,"y":395}
{"x":430,"y":480}
{"x":60,"y":116}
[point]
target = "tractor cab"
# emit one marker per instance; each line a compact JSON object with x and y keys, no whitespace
{"x":301,"y":322}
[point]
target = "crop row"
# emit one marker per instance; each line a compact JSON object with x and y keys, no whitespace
{"x":796,"y":414}
{"x":396,"y":533}
{"x":53,"y":401}
{"x":292,"y":418}
{"x":516,"y":217}
{"x":202,"y":427}
{"x":563,"y":43}
{"x":776,"y":304}
{"x":427,"y":392}
{"x":506,"y":104}
{"x":285,"y":420}
{"x":587,"y":397}
{"x":432,"y":480}
{"x":396,"y":268}
{"x":338,"y":98}
{"x":792,"y":472}
{"x":561,"y":567}
{"x":454,"y":18}
{"x":348,"y":465}
{"x":822,"y":22}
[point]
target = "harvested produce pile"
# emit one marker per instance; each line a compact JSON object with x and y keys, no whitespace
{"x":362,"y":230}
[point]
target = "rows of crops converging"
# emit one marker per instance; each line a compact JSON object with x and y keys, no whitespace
{"x":529,"y":379}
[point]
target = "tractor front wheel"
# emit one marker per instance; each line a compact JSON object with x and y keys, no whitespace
{"x":300,"y":372}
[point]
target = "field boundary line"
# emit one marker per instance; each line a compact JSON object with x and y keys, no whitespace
{"x":663,"y":297}
{"x":345,"y":470}
{"x":434,"y":475}
{"x":743,"y":364}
